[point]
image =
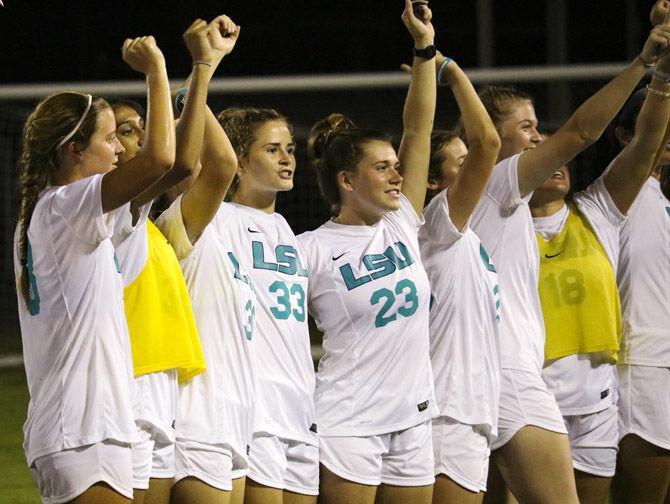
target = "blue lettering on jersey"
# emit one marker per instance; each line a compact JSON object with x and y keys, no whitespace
{"x":286,"y":257}
{"x":378,"y":265}
{"x":238,"y":274}
{"x":486,"y":259}
{"x":117,"y":263}
{"x":33,"y":294}
{"x":667,"y":209}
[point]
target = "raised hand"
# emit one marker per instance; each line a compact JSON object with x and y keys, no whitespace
{"x":420,"y":28}
{"x":196,"y":38}
{"x":143,"y":55}
{"x":659,"y":12}
{"x":657,"y":44}
{"x":223,"y":35}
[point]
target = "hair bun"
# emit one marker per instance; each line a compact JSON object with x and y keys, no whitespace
{"x":323,"y":132}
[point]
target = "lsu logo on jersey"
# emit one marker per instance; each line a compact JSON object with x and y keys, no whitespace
{"x":286,"y":259}
{"x":395,"y":257}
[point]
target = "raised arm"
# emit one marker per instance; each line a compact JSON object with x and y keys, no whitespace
{"x":590,"y":120}
{"x":191,"y":126}
{"x":483,"y":144}
{"x":158,"y":151}
{"x":419,"y":111}
{"x":634,"y":164}
{"x":219,"y":162}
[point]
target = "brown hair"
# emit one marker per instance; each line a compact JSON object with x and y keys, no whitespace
{"x":497,"y":101}
{"x":335,"y":144}
{"x":439,"y":139}
{"x":240,"y":125}
{"x":51,"y":121}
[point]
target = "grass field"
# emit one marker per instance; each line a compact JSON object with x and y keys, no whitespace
{"x":16,"y":486}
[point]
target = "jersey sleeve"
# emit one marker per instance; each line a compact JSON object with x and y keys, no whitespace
{"x":439,"y":227}
{"x":503,"y":186}
{"x":596,"y":203}
{"x":80,"y":205}
{"x":171,"y":224}
{"x":405,"y":215}
{"x":124,"y":225}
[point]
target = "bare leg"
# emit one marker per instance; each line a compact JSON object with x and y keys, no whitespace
{"x":138,"y":496}
{"x":255,"y":493}
{"x":447,"y":491}
{"x":159,"y":491}
{"x":592,"y":489}
{"x":237,"y":497}
{"x":298,"y":498}
{"x":194,"y":491}
{"x":335,"y":490}
{"x":642,"y":472}
{"x":392,"y":494}
{"x":100,"y":493}
{"x":537,"y":466}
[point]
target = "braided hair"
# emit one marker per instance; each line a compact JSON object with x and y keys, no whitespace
{"x":52,"y":120}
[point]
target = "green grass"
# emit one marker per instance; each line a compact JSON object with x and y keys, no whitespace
{"x":16,"y":485}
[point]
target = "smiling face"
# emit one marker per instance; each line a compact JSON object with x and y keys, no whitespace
{"x":518,"y":131}
{"x":129,"y":131}
{"x":269,"y":164}
{"x":555,"y":188}
{"x":102,"y":152}
{"x":373,"y":187}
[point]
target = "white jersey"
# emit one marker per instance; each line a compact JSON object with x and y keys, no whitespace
{"x":370,"y":296}
{"x":131,"y":243}
{"x":644,"y":277}
{"x":503,"y":222}
{"x":464,"y":319}
{"x":583,"y":383}
{"x":76,"y":348}
{"x":267,"y":248}
{"x":216,"y":406}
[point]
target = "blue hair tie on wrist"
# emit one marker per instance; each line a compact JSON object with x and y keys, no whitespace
{"x":446,"y":61}
{"x":180,"y":99}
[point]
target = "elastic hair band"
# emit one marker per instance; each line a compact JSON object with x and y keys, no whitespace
{"x":180,"y":99}
{"x":201,"y":62}
{"x":89,"y":99}
{"x":446,"y":61}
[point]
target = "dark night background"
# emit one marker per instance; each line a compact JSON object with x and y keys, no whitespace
{"x":46,"y":40}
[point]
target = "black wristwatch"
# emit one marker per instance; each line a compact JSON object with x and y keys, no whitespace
{"x":426,"y":53}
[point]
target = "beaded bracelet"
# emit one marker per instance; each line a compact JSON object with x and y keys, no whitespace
{"x":664,"y":94}
{"x":446,"y":61}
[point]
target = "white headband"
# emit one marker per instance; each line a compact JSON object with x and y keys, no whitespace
{"x":89,"y":98}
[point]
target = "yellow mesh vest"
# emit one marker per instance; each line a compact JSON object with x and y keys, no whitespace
{"x":578,"y":292}
{"x":163,"y":334}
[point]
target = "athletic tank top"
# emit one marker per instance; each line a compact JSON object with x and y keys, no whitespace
{"x":163,"y":334}
{"x":578,"y":292}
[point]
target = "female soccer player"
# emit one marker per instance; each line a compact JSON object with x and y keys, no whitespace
{"x":579,"y":251}
{"x":75,"y":339}
{"x":369,"y":294}
{"x":215,"y":418}
{"x":164,"y":338}
{"x":643,"y":462}
{"x":531,"y":431}
{"x":283,"y":454}
{"x":464,"y":314}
